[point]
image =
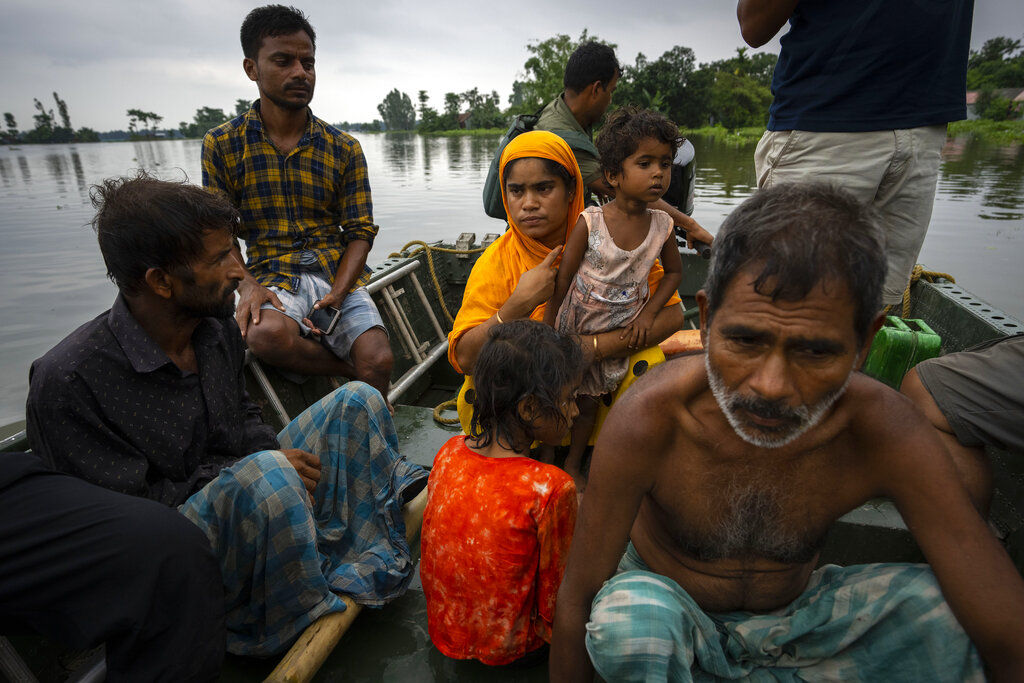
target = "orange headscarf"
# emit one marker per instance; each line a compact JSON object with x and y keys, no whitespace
{"x":497,"y":271}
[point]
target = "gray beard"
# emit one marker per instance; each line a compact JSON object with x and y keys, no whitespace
{"x":803,"y":417}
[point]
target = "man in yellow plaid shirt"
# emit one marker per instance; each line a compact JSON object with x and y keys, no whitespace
{"x":307,"y":217}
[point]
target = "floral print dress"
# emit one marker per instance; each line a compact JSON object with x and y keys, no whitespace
{"x":609,"y":291}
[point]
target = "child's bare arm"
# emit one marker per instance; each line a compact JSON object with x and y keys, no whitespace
{"x":572,"y":256}
{"x":638,"y":330}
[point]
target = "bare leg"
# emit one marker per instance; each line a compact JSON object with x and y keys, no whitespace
{"x":973,"y":466}
{"x":371,"y":356}
{"x":277,"y":340}
{"x":579,"y":434}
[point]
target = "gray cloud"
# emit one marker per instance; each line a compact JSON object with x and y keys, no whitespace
{"x":108,"y":55}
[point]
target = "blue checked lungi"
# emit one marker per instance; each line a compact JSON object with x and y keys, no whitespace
{"x":283,"y":563}
{"x":874,"y":622}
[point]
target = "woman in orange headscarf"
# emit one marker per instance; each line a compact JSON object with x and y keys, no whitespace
{"x":543,"y":192}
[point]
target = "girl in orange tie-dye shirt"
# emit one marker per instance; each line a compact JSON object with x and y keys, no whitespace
{"x":498,"y":524}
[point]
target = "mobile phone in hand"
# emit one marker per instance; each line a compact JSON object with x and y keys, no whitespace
{"x":325,"y":319}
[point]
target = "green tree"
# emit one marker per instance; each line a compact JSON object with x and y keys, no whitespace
{"x":665,"y":85}
{"x":545,"y":68}
{"x":990,"y":105}
{"x":397,"y":111}
{"x":43,"y":131}
{"x":429,"y":119}
{"x":483,"y":109}
{"x":450,"y":119}
{"x":62,"y":109}
{"x":145,"y":118}
{"x":12,"y":127}
{"x":242,"y":105}
{"x":998,"y":64}
{"x":84,"y":134}
{"x":738,"y":101}
{"x":204,"y":119}
{"x":758,"y":67}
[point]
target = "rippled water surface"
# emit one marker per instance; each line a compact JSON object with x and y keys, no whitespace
{"x":53,"y":278}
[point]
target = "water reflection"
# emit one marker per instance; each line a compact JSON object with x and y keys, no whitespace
{"x":430,"y":147}
{"x":995,"y":173}
{"x":454,"y":146}
{"x":150,"y":154}
{"x":723,"y":169}
{"x":423,"y":188}
{"x":76,"y":163}
{"x":26,"y":175}
{"x":400,"y":152}
{"x":481,"y":151}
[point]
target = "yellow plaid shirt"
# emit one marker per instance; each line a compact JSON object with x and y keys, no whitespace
{"x":315,"y":198}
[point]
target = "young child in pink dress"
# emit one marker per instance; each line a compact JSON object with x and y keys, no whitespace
{"x":610,"y":253}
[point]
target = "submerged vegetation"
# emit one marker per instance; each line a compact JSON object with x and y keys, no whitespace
{"x":1000,"y":132}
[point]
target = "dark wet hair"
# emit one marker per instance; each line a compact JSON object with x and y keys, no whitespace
{"x":626,"y":127}
{"x":272,"y":20}
{"x":552,"y":167}
{"x":520,"y":359}
{"x":144,"y":223}
{"x":590,"y":62}
{"x":800,"y":235}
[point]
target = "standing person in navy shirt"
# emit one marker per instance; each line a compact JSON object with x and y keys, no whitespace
{"x":863,"y":92}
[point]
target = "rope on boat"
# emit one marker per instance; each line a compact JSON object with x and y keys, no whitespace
{"x":429,"y":249}
{"x":450,"y":404}
{"x":915,"y":275}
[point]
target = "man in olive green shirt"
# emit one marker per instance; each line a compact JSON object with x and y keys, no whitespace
{"x":591,"y":76}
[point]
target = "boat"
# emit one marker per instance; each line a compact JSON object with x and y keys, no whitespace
{"x":418,"y":291}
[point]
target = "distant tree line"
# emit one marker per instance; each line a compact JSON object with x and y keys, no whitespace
{"x":998,"y":64}
{"x":731,"y":92}
{"x":48,"y":126}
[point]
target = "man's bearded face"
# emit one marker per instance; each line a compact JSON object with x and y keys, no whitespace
{"x":786,"y":423}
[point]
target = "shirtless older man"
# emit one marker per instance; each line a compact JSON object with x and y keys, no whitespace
{"x":748,"y":456}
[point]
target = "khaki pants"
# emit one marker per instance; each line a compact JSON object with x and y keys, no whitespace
{"x":894,"y":170}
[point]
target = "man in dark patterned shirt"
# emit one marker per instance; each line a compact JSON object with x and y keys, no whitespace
{"x":148,"y":399}
{"x":307,"y":217}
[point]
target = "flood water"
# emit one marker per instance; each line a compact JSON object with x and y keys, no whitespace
{"x":53,"y":278}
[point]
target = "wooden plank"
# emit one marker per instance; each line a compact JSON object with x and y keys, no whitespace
{"x":316,"y":643}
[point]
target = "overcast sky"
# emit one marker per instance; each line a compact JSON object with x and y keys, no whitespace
{"x":106,"y":56}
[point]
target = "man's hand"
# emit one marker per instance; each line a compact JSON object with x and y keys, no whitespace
{"x":251,"y":298}
{"x":535,"y":286}
{"x":636,"y":332}
{"x":696,"y":233}
{"x":308,"y":467}
{"x":331,"y":300}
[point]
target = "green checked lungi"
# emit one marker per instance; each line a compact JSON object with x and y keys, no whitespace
{"x":874,"y":622}
{"x":284,"y":562}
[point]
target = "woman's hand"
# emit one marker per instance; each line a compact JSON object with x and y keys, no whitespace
{"x":534,"y":288}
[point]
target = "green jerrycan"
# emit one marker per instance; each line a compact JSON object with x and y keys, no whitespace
{"x":898,"y":346}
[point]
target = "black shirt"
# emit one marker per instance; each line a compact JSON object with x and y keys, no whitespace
{"x":107,"y":405}
{"x":872,"y":65}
